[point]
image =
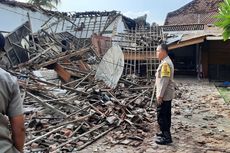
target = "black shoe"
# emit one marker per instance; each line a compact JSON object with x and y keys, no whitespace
{"x":159,"y":134}
{"x":166,"y":139}
{"x":163,"y":141}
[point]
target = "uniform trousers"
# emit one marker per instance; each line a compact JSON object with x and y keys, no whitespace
{"x":164,"y":115}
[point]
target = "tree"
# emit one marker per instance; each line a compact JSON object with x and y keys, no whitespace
{"x":51,"y":4}
{"x":224,"y":18}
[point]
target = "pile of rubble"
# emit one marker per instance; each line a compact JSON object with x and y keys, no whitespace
{"x":66,"y":109}
{"x":67,"y":120}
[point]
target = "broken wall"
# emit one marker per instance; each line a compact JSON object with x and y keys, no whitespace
{"x":117,"y":26}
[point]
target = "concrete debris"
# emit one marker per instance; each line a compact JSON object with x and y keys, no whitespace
{"x":66,"y":109}
{"x":80,"y":116}
{"x":78,"y":109}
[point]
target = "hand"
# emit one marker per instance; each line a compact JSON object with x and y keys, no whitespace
{"x":159,"y":100}
{"x":18,"y":131}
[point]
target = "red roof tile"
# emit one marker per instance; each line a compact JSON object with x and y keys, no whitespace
{"x":197,"y":11}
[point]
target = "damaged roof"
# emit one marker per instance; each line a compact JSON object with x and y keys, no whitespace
{"x":130,"y":23}
{"x":177,"y":39}
{"x":94,"y":13}
{"x":197,"y":11}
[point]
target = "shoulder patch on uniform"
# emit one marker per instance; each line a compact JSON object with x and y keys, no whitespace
{"x":165,"y":70}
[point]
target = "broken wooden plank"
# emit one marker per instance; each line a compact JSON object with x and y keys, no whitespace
{"x":69,"y":55}
{"x":72,"y":82}
{"x":60,"y":86}
{"x":83,"y":66}
{"x":79,"y":119}
{"x":76,"y":138}
{"x":43,"y":136}
{"x":153,"y":95}
{"x":137,"y":97}
{"x":77,"y":129}
{"x":95,"y":139}
{"x":128,"y":82}
{"x":83,"y":79}
{"x":38,"y":55}
{"x":139,"y":88}
{"x":47,"y":105}
{"x":54,"y":39}
{"x":97,"y":110}
{"x":75,"y":70}
{"x":65,"y":75}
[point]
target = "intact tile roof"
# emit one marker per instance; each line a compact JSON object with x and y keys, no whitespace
{"x":195,"y":12}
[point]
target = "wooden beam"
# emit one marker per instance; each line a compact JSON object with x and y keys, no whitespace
{"x":69,"y":55}
{"x":65,"y":75}
{"x":187,"y":43}
{"x":139,"y":56}
{"x":83,"y":66}
{"x":47,"y":105}
{"x":60,"y":86}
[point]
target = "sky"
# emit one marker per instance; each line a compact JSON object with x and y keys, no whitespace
{"x":156,"y":10}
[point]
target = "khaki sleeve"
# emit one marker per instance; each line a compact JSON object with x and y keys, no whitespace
{"x":163,"y":85}
{"x":165,"y":77}
{"x":15,"y":107}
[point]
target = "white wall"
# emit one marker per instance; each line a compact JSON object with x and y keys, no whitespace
{"x":117,"y":26}
{"x":13,"y":17}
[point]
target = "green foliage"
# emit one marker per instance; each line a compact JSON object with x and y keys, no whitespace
{"x":50,"y":4}
{"x":224,"y":18}
{"x":225,"y":93}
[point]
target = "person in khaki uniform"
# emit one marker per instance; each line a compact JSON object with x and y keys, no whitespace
{"x":164,"y":93}
{"x":11,"y":112}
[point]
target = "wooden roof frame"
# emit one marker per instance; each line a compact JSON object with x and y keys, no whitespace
{"x":188,"y":42}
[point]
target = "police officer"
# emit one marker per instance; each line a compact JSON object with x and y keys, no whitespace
{"x":164,"y":94}
{"x":11,"y":112}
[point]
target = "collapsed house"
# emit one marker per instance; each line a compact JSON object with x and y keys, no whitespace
{"x":197,"y":44}
{"x":58,"y":58}
{"x":102,"y":29}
